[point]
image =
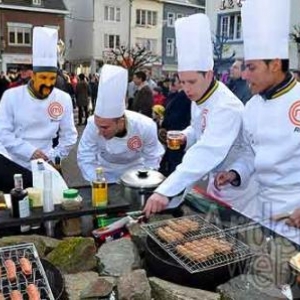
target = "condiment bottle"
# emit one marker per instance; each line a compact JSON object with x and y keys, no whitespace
{"x":20,"y":201}
{"x":99,"y":189}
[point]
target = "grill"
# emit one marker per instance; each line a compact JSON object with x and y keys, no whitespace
{"x":206,"y":233}
{"x":38,"y":276}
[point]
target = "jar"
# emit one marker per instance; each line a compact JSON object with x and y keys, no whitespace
{"x":71,"y":201}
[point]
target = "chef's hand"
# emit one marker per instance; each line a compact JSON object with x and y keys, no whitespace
{"x":39,"y":154}
{"x":294,"y":219}
{"x":182,"y":139}
{"x":223,"y":178}
{"x":155,"y":204}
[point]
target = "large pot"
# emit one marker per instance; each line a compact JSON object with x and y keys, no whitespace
{"x":139,"y":184}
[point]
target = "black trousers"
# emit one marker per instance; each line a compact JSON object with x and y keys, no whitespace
{"x":82,"y":110}
{"x":7,"y":170}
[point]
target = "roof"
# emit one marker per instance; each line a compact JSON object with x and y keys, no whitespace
{"x":187,"y":2}
{"x":54,"y":5}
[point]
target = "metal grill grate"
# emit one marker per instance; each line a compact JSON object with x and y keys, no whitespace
{"x":239,"y":251}
{"x":38,"y":276}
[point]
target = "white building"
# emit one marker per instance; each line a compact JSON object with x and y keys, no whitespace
{"x":228,"y":22}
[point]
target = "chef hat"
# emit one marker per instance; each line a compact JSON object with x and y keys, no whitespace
{"x":194,"y":43}
{"x":44,"y":49}
{"x":111,"y":92}
{"x":266,"y":29}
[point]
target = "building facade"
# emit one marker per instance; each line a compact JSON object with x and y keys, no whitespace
{"x":17,"y":19}
{"x":226,"y":22}
{"x":172,"y":10}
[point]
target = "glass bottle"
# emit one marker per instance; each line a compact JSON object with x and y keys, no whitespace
{"x":99,"y":189}
{"x":20,"y":201}
{"x":57,"y":164}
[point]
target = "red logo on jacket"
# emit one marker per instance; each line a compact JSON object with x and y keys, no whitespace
{"x":55,"y":110}
{"x":203,"y":119}
{"x":294,"y":113}
{"x":134,"y":143}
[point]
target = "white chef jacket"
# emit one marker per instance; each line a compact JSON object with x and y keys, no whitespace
{"x":271,"y":131}
{"x":28,"y":124}
{"x":139,"y":148}
{"x":215,"y":125}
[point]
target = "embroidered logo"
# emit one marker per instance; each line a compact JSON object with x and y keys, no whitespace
{"x":134,"y":143}
{"x":203,"y":119}
{"x":55,"y":110}
{"x":294,"y":113}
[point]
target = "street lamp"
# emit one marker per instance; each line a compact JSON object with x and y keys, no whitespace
{"x":225,"y":4}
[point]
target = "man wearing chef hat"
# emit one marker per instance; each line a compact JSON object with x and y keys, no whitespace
{"x":31,"y":115}
{"x":216,"y":113}
{"x":272,"y":116}
{"x":115,"y":138}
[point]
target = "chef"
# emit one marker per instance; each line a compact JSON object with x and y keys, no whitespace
{"x":114,"y":138}
{"x":271,"y":123}
{"x":32,"y":114}
{"x":216,"y":113}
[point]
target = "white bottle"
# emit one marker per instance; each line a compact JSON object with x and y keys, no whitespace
{"x":48,"y":203}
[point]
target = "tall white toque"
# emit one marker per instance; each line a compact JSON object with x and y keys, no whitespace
{"x":265,"y":25}
{"x":194,"y":43}
{"x":44,"y":48}
{"x":111,"y":92}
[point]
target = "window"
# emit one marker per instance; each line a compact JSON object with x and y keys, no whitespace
{"x":180,"y":16}
{"x":19,"y":34}
{"x":171,"y":19}
{"x":111,"y":41}
{"x":170,"y":47}
{"x":149,"y":44}
{"x":146,"y":17}
{"x":112,"y":14}
{"x":36,"y":2}
{"x":230,"y":27}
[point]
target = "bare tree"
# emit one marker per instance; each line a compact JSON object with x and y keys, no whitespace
{"x":295,"y":36}
{"x":132,"y":59}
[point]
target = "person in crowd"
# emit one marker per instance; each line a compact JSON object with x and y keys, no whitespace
{"x":4,"y":83}
{"x":150,"y":82}
{"x":236,"y":83}
{"x":94,"y":89}
{"x":158,"y":112}
{"x":271,"y":120}
{"x":115,"y":138}
{"x":216,"y":114}
{"x":143,"y":99}
{"x":82,"y":93}
{"x":158,"y":97}
{"x":177,"y":117}
{"x":131,"y":91}
{"x":30,"y":115}
{"x":23,"y":77}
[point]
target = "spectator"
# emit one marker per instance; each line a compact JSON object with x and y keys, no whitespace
{"x":4,"y":83}
{"x":143,"y":99}
{"x":158,"y":97}
{"x":82,"y":98}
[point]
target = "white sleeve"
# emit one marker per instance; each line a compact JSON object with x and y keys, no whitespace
{"x":87,"y":152}
{"x":67,"y":133}
{"x":8,"y":136}
{"x":223,"y":126}
{"x":152,"y":149}
{"x":191,"y":139}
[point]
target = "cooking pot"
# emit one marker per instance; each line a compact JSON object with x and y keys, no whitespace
{"x":139,"y":184}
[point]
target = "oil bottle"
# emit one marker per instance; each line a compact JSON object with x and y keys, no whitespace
{"x":99,"y":189}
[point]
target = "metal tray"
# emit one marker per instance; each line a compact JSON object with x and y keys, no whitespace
{"x":239,"y":252}
{"x":38,"y":276}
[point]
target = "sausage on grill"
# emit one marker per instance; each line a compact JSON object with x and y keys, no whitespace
{"x":10,"y":269}
{"x":33,"y":292}
{"x":25,"y":266}
{"x":16,"y":295}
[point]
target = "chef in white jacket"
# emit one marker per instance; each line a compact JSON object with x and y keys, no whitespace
{"x":32,"y":114}
{"x":216,"y":113}
{"x":114,"y":138}
{"x":271,"y":122}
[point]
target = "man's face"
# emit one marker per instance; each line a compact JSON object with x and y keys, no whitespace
{"x":195,"y":84}
{"x":259,"y":75}
{"x":108,"y":128}
{"x":137,"y":81}
{"x":236,"y":70}
{"x":44,"y":82}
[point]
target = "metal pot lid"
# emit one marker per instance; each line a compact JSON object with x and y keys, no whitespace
{"x":142,"y":178}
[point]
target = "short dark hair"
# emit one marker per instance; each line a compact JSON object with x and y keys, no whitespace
{"x":285,"y":64}
{"x":141,"y":75}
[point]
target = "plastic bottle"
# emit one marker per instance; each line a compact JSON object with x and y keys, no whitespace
{"x":99,"y":189}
